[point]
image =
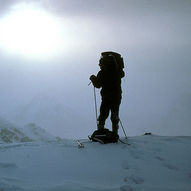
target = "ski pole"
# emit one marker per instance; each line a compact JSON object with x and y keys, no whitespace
{"x":123,"y":129}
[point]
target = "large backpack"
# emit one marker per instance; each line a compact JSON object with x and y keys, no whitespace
{"x":104,"y":136}
{"x":111,"y":60}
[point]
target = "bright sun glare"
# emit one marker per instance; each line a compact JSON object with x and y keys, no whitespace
{"x":31,"y":33}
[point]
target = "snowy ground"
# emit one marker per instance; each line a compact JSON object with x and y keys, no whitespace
{"x":151,"y":163}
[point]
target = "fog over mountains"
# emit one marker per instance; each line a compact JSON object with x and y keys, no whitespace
{"x":10,"y":133}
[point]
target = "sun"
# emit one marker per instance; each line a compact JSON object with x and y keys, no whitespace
{"x":32,"y":33}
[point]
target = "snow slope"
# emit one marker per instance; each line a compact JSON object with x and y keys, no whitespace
{"x":150,"y":163}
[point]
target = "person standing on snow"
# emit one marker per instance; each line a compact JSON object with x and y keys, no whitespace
{"x":109,"y":80}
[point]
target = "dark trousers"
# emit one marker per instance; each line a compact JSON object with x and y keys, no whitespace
{"x":108,"y":104}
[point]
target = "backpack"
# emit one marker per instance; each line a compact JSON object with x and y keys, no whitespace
{"x":111,"y":60}
{"x":104,"y":136}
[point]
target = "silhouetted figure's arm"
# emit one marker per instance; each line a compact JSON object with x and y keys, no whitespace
{"x":97,"y":80}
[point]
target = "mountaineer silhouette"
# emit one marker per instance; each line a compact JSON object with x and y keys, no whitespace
{"x":109,"y":80}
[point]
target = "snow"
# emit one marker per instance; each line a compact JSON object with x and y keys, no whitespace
{"x":150,"y":163}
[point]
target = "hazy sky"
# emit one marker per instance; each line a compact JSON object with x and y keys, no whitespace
{"x":49,"y":48}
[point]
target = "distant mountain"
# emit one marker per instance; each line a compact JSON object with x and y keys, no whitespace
{"x":49,"y":113}
{"x":10,"y":133}
{"x":37,"y":133}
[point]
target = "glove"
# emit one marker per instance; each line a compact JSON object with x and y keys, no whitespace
{"x":92,"y":77}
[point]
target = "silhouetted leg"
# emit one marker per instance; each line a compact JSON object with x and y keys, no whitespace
{"x":104,"y":113}
{"x":115,"y":114}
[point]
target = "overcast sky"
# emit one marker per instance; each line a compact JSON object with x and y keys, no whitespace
{"x":50,"y":56}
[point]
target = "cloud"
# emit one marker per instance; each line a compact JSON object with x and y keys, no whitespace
{"x":116,"y":8}
{"x":129,"y":22}
{"x":6,"y":5}
{"x":140,"y":21}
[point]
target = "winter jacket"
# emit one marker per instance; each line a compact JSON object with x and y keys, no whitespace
{"x":109,"y":81}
